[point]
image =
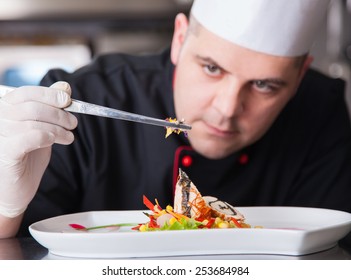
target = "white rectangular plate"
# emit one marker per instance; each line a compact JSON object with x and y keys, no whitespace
{"x":286,"y":231}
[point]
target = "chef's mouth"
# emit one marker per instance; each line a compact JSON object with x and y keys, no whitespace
{"x":220,"y":132}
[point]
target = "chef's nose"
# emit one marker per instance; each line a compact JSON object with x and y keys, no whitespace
{"x":229,"y":99}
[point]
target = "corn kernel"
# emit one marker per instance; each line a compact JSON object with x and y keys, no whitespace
{"x":218,"y":220}
{"x":223,"y":225}
{"x":172,"y":221}
{"x":142,"y":228}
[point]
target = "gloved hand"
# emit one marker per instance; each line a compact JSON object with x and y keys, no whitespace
{"x":31,"y":121}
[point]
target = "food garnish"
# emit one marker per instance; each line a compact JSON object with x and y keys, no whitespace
{"x":170,"y":130}
{"x":191,"y":210}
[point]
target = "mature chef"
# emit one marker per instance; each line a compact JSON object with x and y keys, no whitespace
{"x":266,"y":129}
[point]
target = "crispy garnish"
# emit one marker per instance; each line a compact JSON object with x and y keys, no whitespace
{"x":170,"y":130}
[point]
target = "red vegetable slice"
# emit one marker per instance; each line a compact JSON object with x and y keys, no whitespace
{"x":77,"y":226}
{"x":148,"y":203}
{"x":236,"y":222}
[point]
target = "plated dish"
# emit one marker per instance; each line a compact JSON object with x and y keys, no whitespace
{"x":286,"y":231}
{"x":195,"y":225}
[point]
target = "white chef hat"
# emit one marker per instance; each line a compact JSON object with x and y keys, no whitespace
{"x":276,"y":27}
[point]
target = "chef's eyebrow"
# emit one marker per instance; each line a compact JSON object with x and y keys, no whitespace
{"x":209,"y":60}
{"x":276,"y":81}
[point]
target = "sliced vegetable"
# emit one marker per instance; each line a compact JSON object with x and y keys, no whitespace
{"x":235,"y":221}
{"x":148,"y":203}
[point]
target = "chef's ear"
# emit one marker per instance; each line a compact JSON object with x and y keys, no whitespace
{"x":180,"y":29}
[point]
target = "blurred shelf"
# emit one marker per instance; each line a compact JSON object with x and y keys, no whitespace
{"x":83,"y":9}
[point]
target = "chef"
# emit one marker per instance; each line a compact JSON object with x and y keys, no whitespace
{"x":267,"y":129}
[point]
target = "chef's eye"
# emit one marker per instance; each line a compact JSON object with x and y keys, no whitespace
{"x":263,"y":86}
{"x":212,"y":70}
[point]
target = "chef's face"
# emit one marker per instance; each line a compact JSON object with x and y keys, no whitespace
{"x":230,"y":95}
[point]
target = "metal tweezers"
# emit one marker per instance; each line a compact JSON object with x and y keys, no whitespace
{"x":81,"y":107}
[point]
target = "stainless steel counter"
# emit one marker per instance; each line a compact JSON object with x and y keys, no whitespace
{"x":29,"y":249}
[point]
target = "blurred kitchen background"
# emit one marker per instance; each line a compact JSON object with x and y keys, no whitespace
{"x":36,"y":35}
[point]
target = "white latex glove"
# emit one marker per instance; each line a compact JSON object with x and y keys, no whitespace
{"x":31,"y":121}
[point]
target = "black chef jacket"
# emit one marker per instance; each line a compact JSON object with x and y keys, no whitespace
{"x":303,"y":160}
